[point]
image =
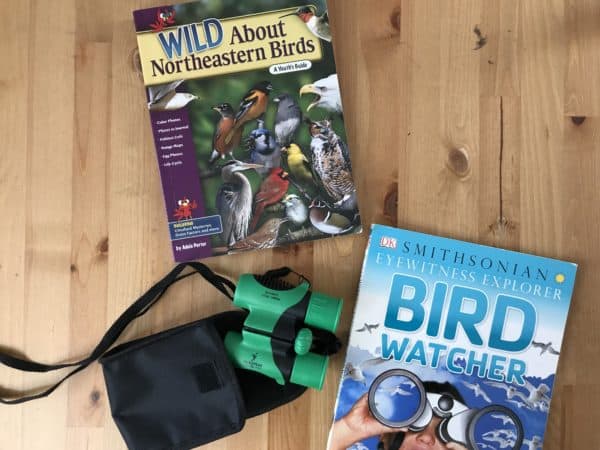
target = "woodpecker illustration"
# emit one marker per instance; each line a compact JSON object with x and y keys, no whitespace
{"x":222,"y":129}
{"x":327,"y":94}
{"x":327,"y":220}
{"x":253,"y":106}
{"x":234,"y":201}
{"x":272,"y":190}
{"x":164,"y":97}
{"x":319,"y":26}
{"x":330,"y":165}
{"x":263,"y":149}
{"x":295,"y":209}
{"x":287,"y":120}
{"x":298,"y":164}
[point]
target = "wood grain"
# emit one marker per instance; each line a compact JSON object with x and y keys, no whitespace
{"x":498,"y":145}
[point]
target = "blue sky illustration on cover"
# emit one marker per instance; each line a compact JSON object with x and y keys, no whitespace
{"x":457,"y":339}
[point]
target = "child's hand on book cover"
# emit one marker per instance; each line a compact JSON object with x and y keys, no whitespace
{"x":356,"y":426}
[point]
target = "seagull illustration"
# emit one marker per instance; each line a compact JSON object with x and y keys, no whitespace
{"x":505,"y":419}
{"x":368,"y":328}
{"x":396,"y":390}
{"x":491,"y":433}
{"x":507,"y":434}
{"x":504,"y":443}
{"x":511,"y":391}
{"x":518,"y":404}
{"x":543,"y":406}
{"x":536,"y":395}
{"x":534,"y":443}
{"x":359,"y":446}
{"x":164,"y":97}
{"x":545,"y":348}
{"x":477,"y":390}
{"x":356,"y":372}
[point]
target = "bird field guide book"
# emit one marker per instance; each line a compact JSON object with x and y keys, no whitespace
{"x":247,"y":117}
{"x":453,"y":346}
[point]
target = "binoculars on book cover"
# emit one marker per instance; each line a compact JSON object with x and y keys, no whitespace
{"x":279,"y":334}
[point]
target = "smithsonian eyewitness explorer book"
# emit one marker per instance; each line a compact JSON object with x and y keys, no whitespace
{"x":453,"y":345}
{"x":247,"y":117}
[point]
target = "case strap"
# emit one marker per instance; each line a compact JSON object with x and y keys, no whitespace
{"x":137,"y":309}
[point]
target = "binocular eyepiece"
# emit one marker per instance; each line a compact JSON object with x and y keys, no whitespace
{"x":279,"y":334}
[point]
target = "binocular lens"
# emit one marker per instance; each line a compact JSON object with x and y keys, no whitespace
{"x":397,"y":398}
{"x":495,"y":426}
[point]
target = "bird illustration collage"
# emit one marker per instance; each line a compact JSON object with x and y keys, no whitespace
{"x":299,"y":187}
{"x":250,"y":157}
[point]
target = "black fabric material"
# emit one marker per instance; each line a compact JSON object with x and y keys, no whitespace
{"x":137,"y":309}
{"x":174,"y":390}
{"x":177,"y":389}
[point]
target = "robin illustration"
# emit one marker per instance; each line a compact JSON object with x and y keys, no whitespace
{"x":272,"y":190}
{"x":263,"y":149}
{"x":327,"y":220}
{"x":253,"y":106}
{"x":265,"y":237}
{"x":295,"y":209}
{"x":327,"y":94}
{"x":298,"y":164}
{"x":164,"y":97}
{"x":234,"y":200}
{"x":222,"y":129}
{"x":329,"y":163}
{"x":287,"y":120}
{"x":319,"y":26}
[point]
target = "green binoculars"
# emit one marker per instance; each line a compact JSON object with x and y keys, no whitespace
{"x":279,"y":334}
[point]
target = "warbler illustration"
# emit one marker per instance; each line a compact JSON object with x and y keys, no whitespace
{"x":295,"y":209}
{"x":298,"y":164}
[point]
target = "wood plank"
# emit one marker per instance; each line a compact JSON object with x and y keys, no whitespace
{"x":497,"y":145}
{"x":47,"y":223}
{"x":90,"y":242}
{"x":14,"y":126}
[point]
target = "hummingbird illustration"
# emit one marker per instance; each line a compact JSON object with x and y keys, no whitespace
{"x":319,"y":26}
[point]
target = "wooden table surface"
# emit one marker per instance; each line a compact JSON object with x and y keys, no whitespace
{"x":499,"y":145}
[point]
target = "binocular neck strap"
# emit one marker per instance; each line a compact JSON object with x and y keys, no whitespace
{"x":137,"y":309}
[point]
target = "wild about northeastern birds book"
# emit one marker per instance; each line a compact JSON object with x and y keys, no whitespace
{"x":248,"y":124}
{"x":453,"y":346}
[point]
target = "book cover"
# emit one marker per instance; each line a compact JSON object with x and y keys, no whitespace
{"x":247,"y":116}
{"x":453,"y":346}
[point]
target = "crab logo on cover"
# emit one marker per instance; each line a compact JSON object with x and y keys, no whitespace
{"x":398,"y":399}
